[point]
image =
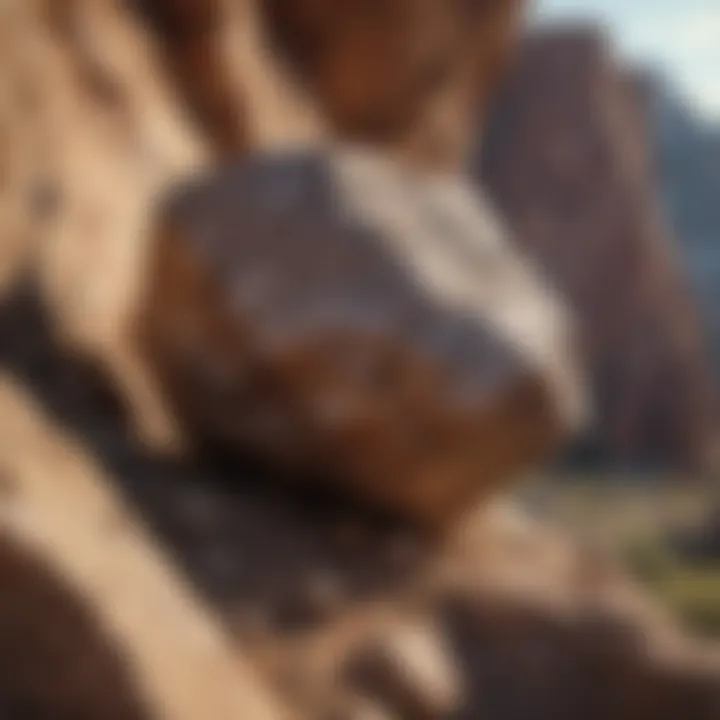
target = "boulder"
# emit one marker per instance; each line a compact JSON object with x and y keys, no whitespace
{"x":106,"y":105}
{"x":352,"y":321}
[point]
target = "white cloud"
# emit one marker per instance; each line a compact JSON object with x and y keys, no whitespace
{"x":681,"y":37}
{"x":692,"y":48}
{"x":705,"y":90}
{"x":698,"y":32}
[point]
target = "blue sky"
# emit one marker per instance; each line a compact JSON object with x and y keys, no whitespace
{"x":682,"y":37}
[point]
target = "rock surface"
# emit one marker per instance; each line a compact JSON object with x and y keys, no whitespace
{"x":513,"y":619}
{"x":312,"y":586}
{"x":100,"y":130}
{"x":104,"y":108}
{"x":568,"y":161}
{"x":410,"y":76}
{"x":110,"y":135}
{"x":342,"y":317}
{"x":55,"y":662}
{"x":180,"y":661}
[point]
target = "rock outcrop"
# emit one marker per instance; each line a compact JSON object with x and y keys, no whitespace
{"x":342,"y":611}
{"x":344,"y":317}
{"x":567,"y":159}
{"x":108,"y":105}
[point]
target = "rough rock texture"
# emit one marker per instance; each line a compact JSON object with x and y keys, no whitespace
{"x":110,"y":103}
{"x":218,"y":55}
{"x":567,"y":159}
{"x":182,"y":663}
{"x":102,"y":111}
{"x":340,"y":316}
{"x":110,"y":135}
{"x":349,"y":614}
{"x":408,"y":75}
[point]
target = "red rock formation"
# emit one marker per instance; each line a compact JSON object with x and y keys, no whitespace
{"x":568,"y":161}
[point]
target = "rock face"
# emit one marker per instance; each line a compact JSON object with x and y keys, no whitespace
{"x":346,"y":614}
{"x":99,"y":131}
{"x":408,"y":75}
{"x":688,"y":162}
{"x":105,"y":106}
{"x":217,"y":55}
{"x":567,"y":158}
{"x":180,"y":661}
{"x":351,"y":320}
{"x":111,"y":135}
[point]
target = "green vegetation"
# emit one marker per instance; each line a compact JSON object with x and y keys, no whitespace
{"x":690,"y":589}
{"x":637,"y":517}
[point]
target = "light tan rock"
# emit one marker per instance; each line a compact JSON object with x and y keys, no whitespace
{"x":109,"y":136}
{"x":104,"y":106}
{"x":409,"y":670}
{"x":54,"y":631}
{"x":182,"y":665}
{"x":24,"y":192}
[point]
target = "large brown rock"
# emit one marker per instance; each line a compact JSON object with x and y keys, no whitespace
{"x":568,"y":161}
{"x":110,"y":103}
{"x":347,"y":318}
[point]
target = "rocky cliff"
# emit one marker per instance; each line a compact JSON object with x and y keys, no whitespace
{"x":687,"y":148}
{"x":568,"y":159}
{"x":196,"y":568}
